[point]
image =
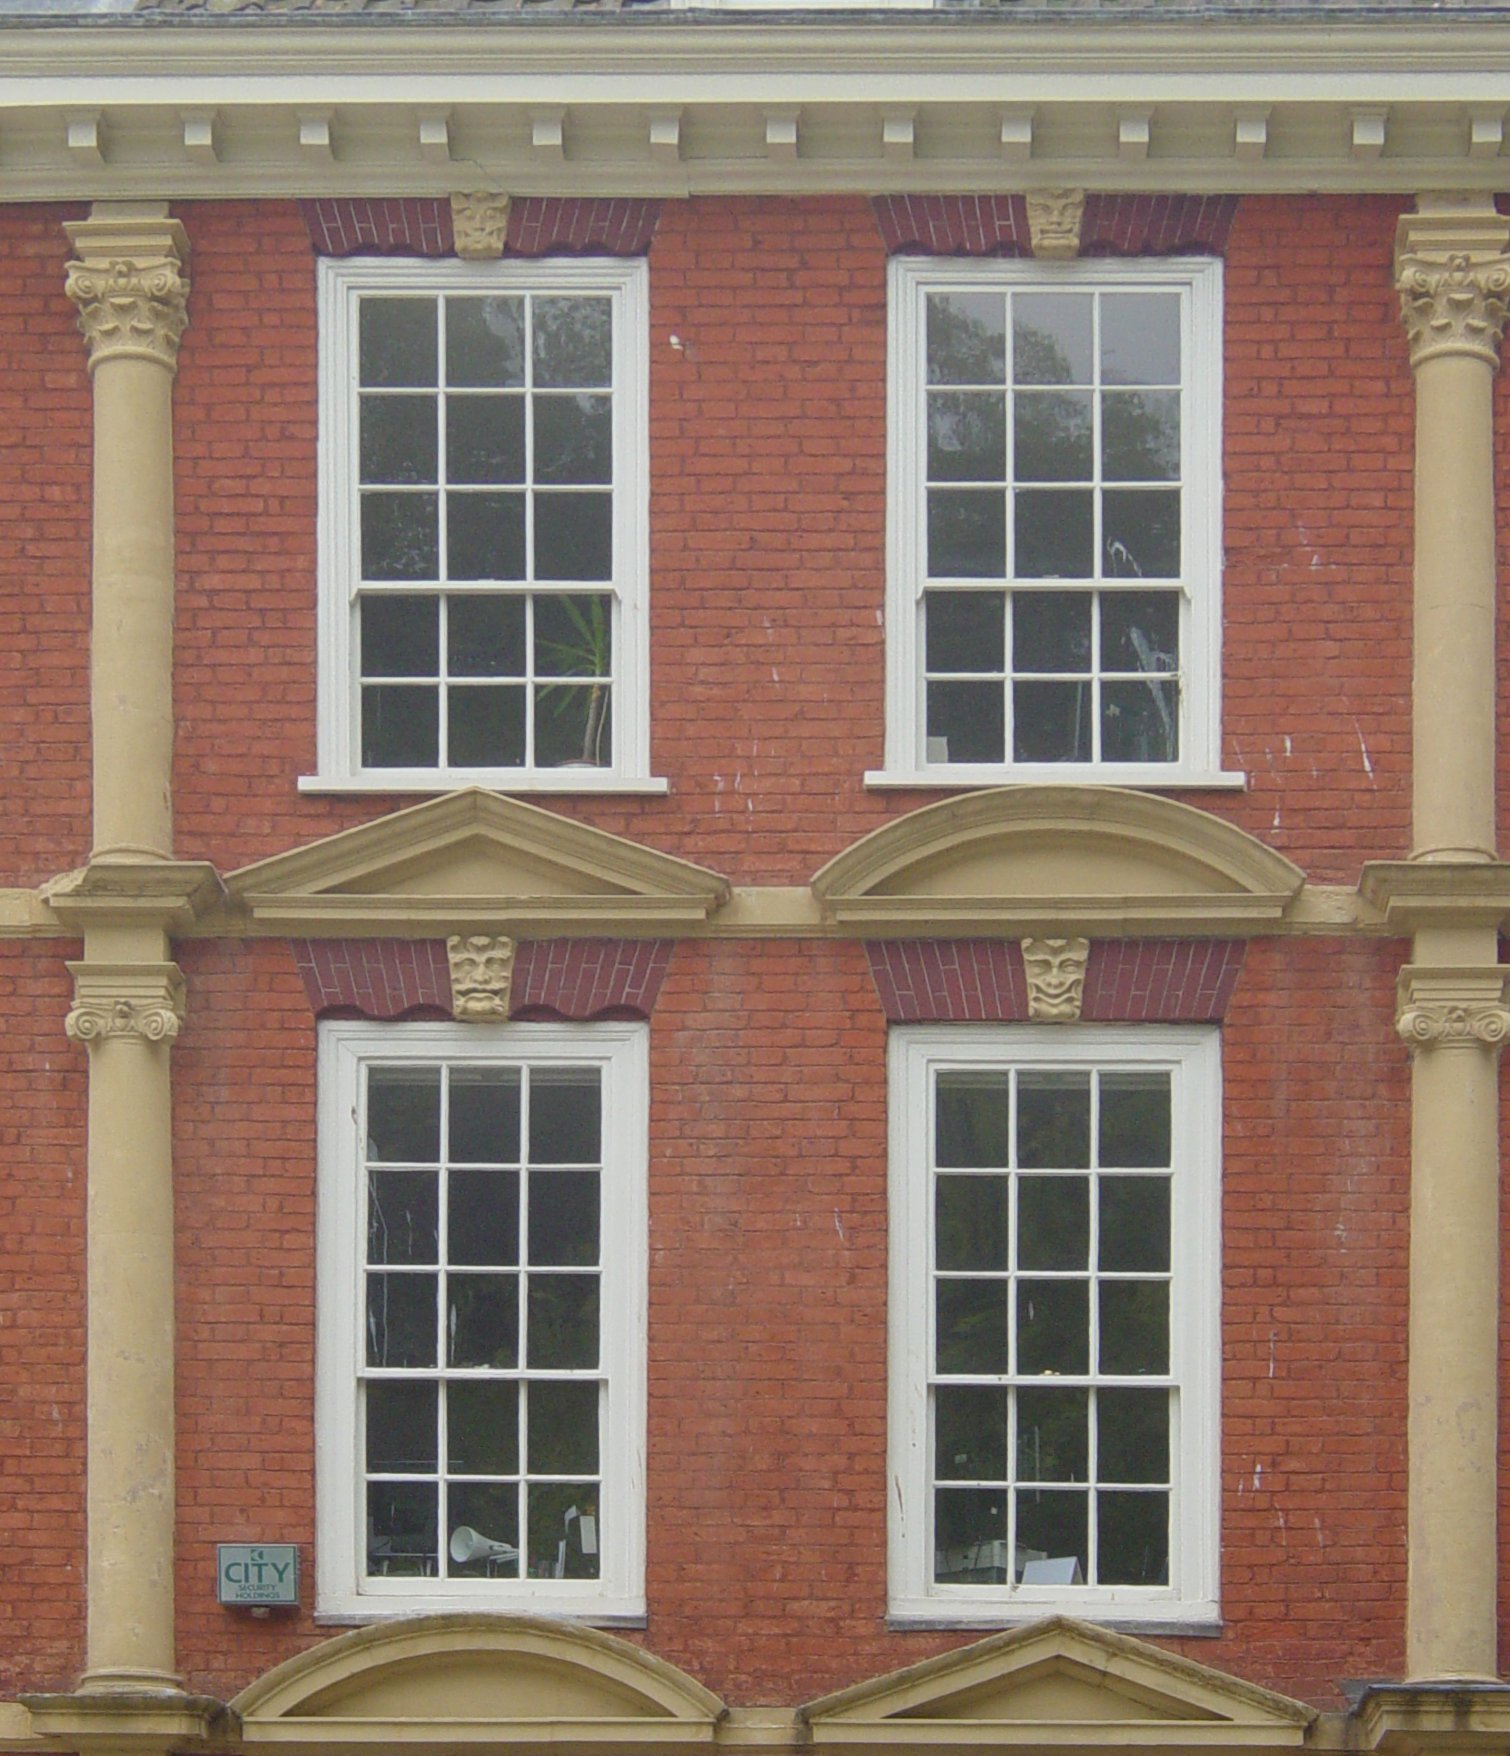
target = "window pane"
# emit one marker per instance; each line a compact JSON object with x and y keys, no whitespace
{"x":485,"y":536}
{"x":1132,"y":1436}
{"x":966,"y":631}
{"x":485,"y":341}
{"x":401,"y":1428}
{"x":1051,"y":338}
{"x":1133,"y":1534}
{"x":574,"y":536}
{"x":402,"y":1217}
{"x":1051,"y":1526}
{"x":482,"y":1429}
{"x":566,"y":1116}
{"x":972,"y":1114}
{"x":1053,"y":1120}
{"x":970,"y":1536}
{"x":564,"y":1218}
{"x":970,"y":1433}
{"x":573,"y":439}
{"x":397,"y":345}
{"x":1140,"y":533}
{"x":1053,"y":1435}
{"x":1140,"y":338}
{"x":1051,"y":722}
{"x":401,"y":1319}
{"x":967,"y":341}
{"x":485,"y":636}
{"x":485,"y":1115}
{"x":573,"y":726}
{"x":1140,"y":631}
{"x":484,"y":1218}
{"x":563,"y":1430}
{"x":967,"y":436}
{"x":484,"y":1539}
{"x":1051,"y":436}
{"x":967,"y":533}
{"x":400,"y":636}
{"x":485,"y":439}
{"x":1053,"y":1222}
{"x":1051,"y":631}
{"x":564,"y":1537}
{"x":485,"y":728}
{"x":563,"y":1320}
{"x":1055,"y":533}
{"x":573,"y":343}
{"x":1134,"y":1120}
{"x":401,"y":1529}
{"x":1134,"y":1327}
{"x":972,"y":1326}
{"x":573,"y":634}
{"x":1135,"y":1224}
{"x":398,"y":439}
{"x":1140,"y":436}
{"x":970,"y":1223}
{"x":1140,"y":722}
{"x":400,"y":727}
{"x":1053,"y":1326}
{"x":966,"y":722}
{"x":482,"y":1320}
{"x":403,"y":1115}
{"x":400,"y":536}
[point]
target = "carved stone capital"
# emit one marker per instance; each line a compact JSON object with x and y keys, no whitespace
{"x":1054,"y":217}
{"x":1452,"y":271}
{"x":144,"y":1001}
{"x":482,"y":972}
{"x":480,"y":225}
{"x":1055,"y":970}
{"x":127,"y":281}
{"x":1452,"y":1008}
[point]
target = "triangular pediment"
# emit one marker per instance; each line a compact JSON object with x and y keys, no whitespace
{"x":1058,"y":1684}
{"x":1031,"y":859}
{"x":476,"y":1681}
{"x":474,"y":861}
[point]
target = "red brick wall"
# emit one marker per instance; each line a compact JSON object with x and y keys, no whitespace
{"x":44,"y":553}
{"x":41,"y":1324}
{"x":767,"y":545}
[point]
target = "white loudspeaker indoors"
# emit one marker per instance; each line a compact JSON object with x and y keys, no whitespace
{"x":471,"y":1545}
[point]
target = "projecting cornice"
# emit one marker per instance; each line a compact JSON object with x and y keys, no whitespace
{"x":662,"y":104}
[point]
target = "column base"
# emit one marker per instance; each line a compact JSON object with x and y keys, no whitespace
{"x":1434,"y":1717}
{"x":116,"y":1718}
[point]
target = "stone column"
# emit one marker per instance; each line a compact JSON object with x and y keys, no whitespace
{"x":1453,"y":275}
{"x":128,"y":1014}
{"x":132,"y":301}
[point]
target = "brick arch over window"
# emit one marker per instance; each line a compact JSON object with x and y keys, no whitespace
{"x":539,"y":225}
{"x":1113,"y":225}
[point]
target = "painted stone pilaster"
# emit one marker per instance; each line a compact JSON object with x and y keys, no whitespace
{"x":1452,"y":270}
{"x":1455,"y":1021}
{"x":132,"y":301}
{"x":128,"y":1014}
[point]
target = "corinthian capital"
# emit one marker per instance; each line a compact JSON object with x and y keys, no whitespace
{"x":1453,"y":276}
{"x":144,"y":1001}
{"x":1452,"y":1008}
{"x":128,"y":284}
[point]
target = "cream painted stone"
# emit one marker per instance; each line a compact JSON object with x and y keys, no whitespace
{"x":472,"y":862}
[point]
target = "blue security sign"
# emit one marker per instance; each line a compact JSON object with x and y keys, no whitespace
{"x":258,"y":1573}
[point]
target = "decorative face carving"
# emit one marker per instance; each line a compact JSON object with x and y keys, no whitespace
{"x":1054,"y":217}
{"x":480,"y":224}
{"x":482,"y":969}
{"x":1056,"y":977}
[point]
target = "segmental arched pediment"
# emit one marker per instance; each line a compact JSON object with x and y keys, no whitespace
{"x":478,"y":1681}
{"x":1019,"y":860}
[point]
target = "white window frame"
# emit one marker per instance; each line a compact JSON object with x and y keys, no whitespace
{"x":1200,"y":281}
{"x":342,"y":283}
{"x":344,"y":1590}
{"x":1192,"y":1055}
